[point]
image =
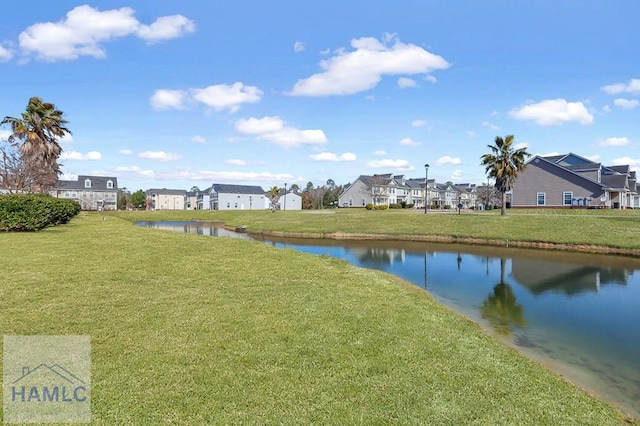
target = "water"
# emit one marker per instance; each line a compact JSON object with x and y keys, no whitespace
{"x":578,"y":314}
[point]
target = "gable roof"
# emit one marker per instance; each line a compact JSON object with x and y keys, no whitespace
{"x":223,"y":188}
{"x":165,"y":191}
{"x":98,"y":183}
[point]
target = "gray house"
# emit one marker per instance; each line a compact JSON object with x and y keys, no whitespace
{"x":571,"y":180}
{"x":235,"y":197}
{"x":165,"y":199}
{"x":92,"y":192}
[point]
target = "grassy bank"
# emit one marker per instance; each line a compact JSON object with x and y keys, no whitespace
{"x":612,"y":229}
{"x":191,"y":330}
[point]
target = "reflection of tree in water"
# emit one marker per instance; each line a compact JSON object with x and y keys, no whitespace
{"x":501,"y":309}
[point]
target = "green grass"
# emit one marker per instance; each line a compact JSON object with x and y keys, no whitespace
{"x":187,"y":329}
{"x":616,"y":229}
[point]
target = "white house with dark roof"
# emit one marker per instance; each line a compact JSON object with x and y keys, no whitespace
{"x":234,"y":197}
{"x":166,"y":199}
{"x":92,"y":192}
{"x":571,"y":180}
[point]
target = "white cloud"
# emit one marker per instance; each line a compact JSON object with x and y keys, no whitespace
{"x":236,"y":162}
{"x":606,"y":108}
{"x":273,"y":129}
{"x":521,"y":145}
{"x":5,"y":54}
{"x":448,"y":161}
{"x":553,"y":112}
{"x":221,"y":176}
{"x":127,"y":169}
{"x":299,"y":46}
{"x":166,"y":28}
{"x":471,"y":134}
{"x":549,"y":154}
{"x":400,"y":165}
{"x":490,"y":125}
{"x":404,"y":83}
{"x":623,"y":141}
{"x":85,"y":29}
{"x":330,"y":156}
{"x":362,"y":68}
{"x":626,"y":103}
{"x":456,"y":176}
{"x":380,"y":153}
{"x":78,"y":156}
{"x":594,"y":157}
{"x":67,"y":139}
{"x":632,"y":86}
{"x":125,"y":152}
{"x":198,"y":139}
{"x":227,"y":97}
{"x":164,"y":99}
{"x":420,"y":123}
{"x":408,"y":142}
{"x":431,"y":79}
{"x":159,"y":156}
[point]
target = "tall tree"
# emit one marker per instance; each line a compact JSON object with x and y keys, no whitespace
{"x":195,"y":189}
{"x":36,"y":134}
{"x":295,"y":188}
{"x":139,"y":199}
{"x":503,"y":164}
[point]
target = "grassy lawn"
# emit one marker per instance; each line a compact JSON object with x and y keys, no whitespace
{"x":617,"y":229}
{"x":187,"y":329}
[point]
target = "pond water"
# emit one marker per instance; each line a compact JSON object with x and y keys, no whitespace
{"x":578,"y":314}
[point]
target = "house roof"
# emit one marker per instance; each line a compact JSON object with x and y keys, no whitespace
{"x":222,"y":188}
{"x":165,"y":191}
{"x":615,"y":181}
{"x":98,"y":183}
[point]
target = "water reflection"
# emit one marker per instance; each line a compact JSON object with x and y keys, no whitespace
{"x":576,"y":313}
{"x":500,"y":308}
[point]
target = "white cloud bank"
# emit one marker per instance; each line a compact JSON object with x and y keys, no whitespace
{"x":362,"y":69}
{"x":626,"y":103}
{"x":553,"y":112}
{"x":448,"y":161}
{"x":78,"y":156}
{"x":85,"y":29}
{"x":274,"y":129}
{"x":159,"y":156}
{"x":220,"y":97}
{"x":623,"y":141}
{"x":632,"y":86}
{"x":330,"y":156}
{"x":388,"y":164}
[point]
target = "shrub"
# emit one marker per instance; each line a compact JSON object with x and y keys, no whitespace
{"x":369,"y":206}
{"x":395,"y":206}
{"x":382,"y":207}
{"x":409,"y":206}
{"x":447,"y":207}
{"x":30,"y":212}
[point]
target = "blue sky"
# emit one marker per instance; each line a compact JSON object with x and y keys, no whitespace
{"x":175,"y":94}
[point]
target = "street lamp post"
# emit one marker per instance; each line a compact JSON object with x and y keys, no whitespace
{"x":426,"y":187}
{"x":285,"y":196}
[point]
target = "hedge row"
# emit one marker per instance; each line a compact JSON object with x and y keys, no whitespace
{"x":31,"y":212}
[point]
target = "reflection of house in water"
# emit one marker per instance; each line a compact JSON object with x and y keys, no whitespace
{"x":378,"y":256}
{"x":542,"y":276}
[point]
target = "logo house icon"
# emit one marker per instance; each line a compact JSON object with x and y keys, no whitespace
{"x":48,"y":384}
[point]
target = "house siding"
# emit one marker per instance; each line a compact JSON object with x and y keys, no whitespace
{"x":542,"y":176}
{"x":356,"y":192}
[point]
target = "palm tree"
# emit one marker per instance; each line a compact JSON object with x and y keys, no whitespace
{"x":274,"y":196}
{"x":503,"y":164}
{"x":501,"y":309}
{"x":36,"y":135}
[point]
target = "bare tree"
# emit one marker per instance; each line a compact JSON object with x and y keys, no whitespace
{"x":377,"y":185}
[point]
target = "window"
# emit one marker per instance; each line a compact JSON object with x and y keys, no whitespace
{"x":87,"y":183}
{"x":567,"y":198}
{"x":109,"y":184}
{"x":236,"y":206}
{"x":541,"y":199}
{"x":228,"y":205}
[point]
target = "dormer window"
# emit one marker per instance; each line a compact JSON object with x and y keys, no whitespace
{"x":109,"y":184}
{"x":87,"y":183}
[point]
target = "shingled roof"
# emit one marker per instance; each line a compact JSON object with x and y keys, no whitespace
{"x":222,"y":188}
{"x":98,"y":183}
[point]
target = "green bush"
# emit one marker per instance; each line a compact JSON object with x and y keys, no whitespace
{"x":395,"y":206}
{"x":382,"y":207}
{"x":31,"y":212}
{"x":447,"y":207}
{"x":369,"y":206}
{"x":409,"y":206}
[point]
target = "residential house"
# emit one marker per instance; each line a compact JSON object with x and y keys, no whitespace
{"x":385,"y":189}
{"x":288,"y":201}
{"x":203,"y":199}
{"x":467,"y":195}
{"x":570,"y":180}
{"x":236,"y":197}
{"x":92,"y":192}
{"x":190,"y":200}
{"x":165,"y":199}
